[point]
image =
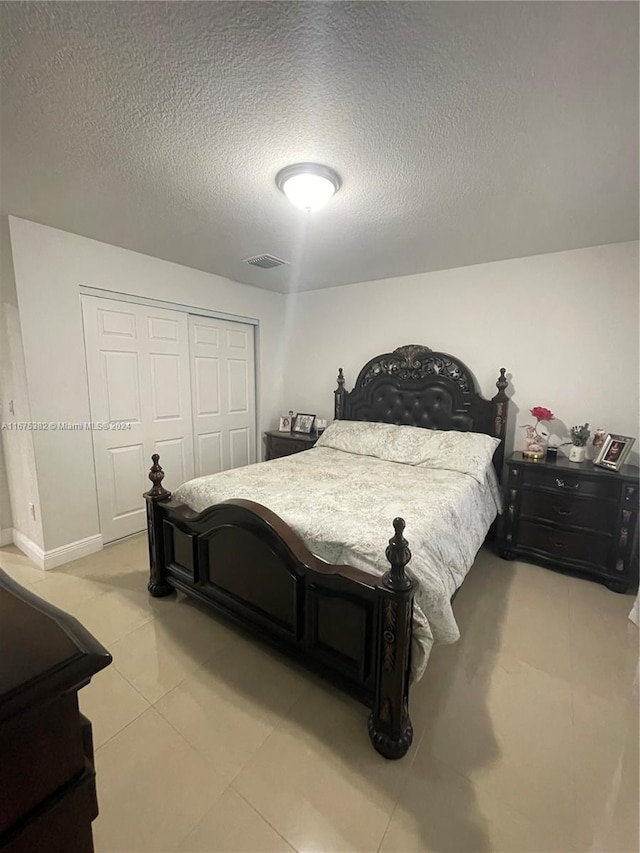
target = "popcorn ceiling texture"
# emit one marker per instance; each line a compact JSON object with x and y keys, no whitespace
{"x":464,"y":132}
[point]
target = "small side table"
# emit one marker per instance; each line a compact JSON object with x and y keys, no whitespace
{"x":280,"y":444}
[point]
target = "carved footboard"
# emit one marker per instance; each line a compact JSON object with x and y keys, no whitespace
{"x":244,"y":561}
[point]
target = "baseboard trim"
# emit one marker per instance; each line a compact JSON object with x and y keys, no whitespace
{"x":57,"y":556}
{"x":34,"y":552}
{"x":73,"y":551}
{"x":6,"y":536}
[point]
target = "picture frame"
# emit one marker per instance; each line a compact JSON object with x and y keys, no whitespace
{"x":614,"y":451}
{"x":285,"y":423}
{"x":303,"y":423}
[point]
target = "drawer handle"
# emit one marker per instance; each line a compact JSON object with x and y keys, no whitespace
{"x":562,"y":485}
{"x":564,"y":512}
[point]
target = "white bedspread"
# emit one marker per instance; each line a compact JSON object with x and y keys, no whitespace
{"x":342,"y":506}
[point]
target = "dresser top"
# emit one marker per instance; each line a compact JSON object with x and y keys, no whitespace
{"x":43,"y":650}
{"x":562,"y":463}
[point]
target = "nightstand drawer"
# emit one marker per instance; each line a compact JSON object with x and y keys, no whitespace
{"x":286,"y":446}
{"x":564,"y":544}
{"x":570,"y":483}
{"x":279,"y":444}
{"x":568,"y":510}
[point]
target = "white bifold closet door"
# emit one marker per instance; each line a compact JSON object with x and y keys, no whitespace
{"x":223,"y":389}
{"x":182,"y":385}
{"x":138,"y":368}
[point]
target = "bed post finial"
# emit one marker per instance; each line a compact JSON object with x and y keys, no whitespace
{"x":390,"y":726}
{"x":339,"y":395}
{"x":156,"y":495}
{"x":501,"y":384}
{"x":156,"y":475}
{"x":398,"y":554}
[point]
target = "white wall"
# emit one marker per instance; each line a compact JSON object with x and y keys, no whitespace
{"x":16,"y":447}
{"x":6,"y":522}
{"x":565,"y":325}
{"x":50,"y":265}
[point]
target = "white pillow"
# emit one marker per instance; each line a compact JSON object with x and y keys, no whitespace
{"x":467,"y":452}
{"x":449,"y":450}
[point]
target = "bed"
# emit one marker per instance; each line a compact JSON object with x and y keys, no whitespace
{"x":294,"y":549}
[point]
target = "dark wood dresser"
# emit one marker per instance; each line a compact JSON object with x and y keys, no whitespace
{"x":47,"y":777}
{"x":573,"y":516}
{"x":285,"y":443}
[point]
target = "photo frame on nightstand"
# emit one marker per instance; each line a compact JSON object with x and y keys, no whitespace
{"x":303,"y":423}
{"x":614,"y":451}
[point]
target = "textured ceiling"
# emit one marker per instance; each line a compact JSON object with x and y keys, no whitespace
{"x":463,"y":132}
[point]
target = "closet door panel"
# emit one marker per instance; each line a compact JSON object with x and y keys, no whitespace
{"x":127,"y":466}
{"x":239,"y":447}
{"x":139,"y":388}
{"x":223,"y":386}
{"x":170,"y":430}
{"x":209,"y":451}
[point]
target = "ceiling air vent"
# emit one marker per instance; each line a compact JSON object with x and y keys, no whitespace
{"x":266,"y":262}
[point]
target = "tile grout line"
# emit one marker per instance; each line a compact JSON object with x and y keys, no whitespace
{"x":130,"y":723}
{"x":207,"y":760}
{"x":192,"y":749}
{"x":122,"y":675}
{"x":200,"y":820}
{"x":574,"y":791}
{"x":229,"y":784}
{"x":130,"y":683}
{"x":403,"y":787}
{"x":115,"y":734}
{"x":386,"y":829}
{"x":274,"y":729}
{"x":265,"y":819}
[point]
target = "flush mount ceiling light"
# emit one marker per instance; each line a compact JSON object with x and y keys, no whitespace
{"x":308,"y":185}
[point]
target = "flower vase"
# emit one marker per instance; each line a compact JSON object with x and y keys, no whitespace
{"x":535,"y":445}
{"x":577,"y":453}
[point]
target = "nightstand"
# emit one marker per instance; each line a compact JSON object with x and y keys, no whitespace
{"x":285,"y":443}
{"x":573,"y":516}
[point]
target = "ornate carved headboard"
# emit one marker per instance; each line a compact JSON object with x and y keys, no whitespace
{"x":418,"y":387}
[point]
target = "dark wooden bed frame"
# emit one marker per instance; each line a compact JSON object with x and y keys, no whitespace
{"x":351,"y":626}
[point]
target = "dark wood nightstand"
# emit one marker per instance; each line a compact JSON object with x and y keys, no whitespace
{"x":574,"y":516}
{"x":285,"y":443}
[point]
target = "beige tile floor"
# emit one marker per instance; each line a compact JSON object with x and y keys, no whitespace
{"x":526,"y":730}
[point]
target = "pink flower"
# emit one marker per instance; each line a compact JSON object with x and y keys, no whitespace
{"x":542,"y":414}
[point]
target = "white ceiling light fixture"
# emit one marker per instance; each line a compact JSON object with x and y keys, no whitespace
{"x":308,"y":185}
